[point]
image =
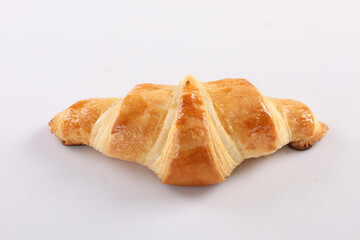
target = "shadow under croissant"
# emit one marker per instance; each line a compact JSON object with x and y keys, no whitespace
{"x":251,"y":163}
{"x":48,"y":152}
{"x":246,"y":165}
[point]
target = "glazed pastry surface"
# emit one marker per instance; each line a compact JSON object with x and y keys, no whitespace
{"x":192,"y":134}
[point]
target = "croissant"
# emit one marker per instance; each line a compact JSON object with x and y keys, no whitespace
{"x":192,"y":134}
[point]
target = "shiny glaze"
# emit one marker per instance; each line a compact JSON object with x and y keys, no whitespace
{"x":193,"y":159}
{"x":77,"y":121}
{"x":299,"y":117}
{"x":140,"y":120}
{"x":244,"y":115}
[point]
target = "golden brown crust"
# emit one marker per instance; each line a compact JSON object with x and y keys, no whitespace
{"x":192,"y":160}
{"x":194,"y":134}
{"x":73,"y":126}
{"x":305,"y":129}
{"x":300,"y":118}
{"x":300,"y":146}
{"x":307,"y":143}
{"x":244,"y":115}
{"x":139,"y":122}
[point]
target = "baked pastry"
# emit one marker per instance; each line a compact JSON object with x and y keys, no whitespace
{"x":192,"y":134}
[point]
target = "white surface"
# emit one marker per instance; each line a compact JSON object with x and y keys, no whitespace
{"x":53,"y":53}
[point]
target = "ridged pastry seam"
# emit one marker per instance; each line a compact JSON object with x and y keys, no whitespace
{"x":100,"y":136}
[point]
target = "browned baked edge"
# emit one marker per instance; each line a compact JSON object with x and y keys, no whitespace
{"x":305,"y":145}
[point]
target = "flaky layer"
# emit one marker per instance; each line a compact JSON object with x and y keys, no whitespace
{"x":74,"y":125}
{"x":192,"y":134}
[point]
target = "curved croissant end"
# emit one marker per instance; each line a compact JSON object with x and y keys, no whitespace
{"x":192,"y":134}
{"x":74,"y":125}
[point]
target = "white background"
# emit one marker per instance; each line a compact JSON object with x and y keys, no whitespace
{"x":54,"y":53}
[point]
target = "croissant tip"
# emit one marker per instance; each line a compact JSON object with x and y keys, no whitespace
{"x":189,"y":77}
{"x":51,"y":125}
{"x":298,"y":146}
{"x":321,"y":132}
{"x":305,"y":145}
{"x":324,"y":128}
